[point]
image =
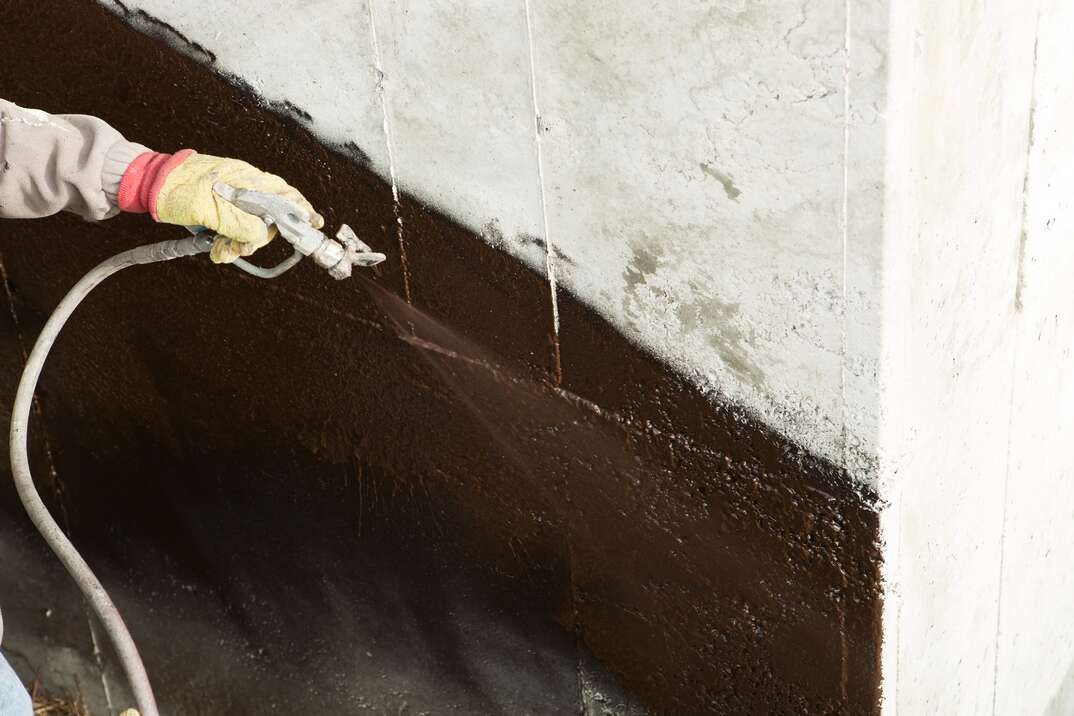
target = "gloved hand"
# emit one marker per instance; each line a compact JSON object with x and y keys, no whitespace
{"x":178,"y":189}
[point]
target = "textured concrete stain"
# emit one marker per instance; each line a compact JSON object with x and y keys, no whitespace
{"x":643,"y":264}
{"x":726,"y":180}
{"x":695,"y":552}
{"x":637,"y":276}
{"x":717,"y":320}
{"x":720,"y":323}
{"x":493,"y":233}
{"x":531,"y":240}
{"x":290,"y":109}
{"x":155,"y":27}
{"x":1019,"y":286}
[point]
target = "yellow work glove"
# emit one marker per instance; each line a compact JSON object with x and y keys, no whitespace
{"x":186,"y":198}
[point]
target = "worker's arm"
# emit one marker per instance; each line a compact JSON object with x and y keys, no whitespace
{"x":52,"y":163}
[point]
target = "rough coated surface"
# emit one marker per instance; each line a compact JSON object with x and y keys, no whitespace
{"x":706,"y":173}
{"x":696,"y":553}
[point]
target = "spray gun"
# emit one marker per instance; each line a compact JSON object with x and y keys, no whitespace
{"x":337,"y":256}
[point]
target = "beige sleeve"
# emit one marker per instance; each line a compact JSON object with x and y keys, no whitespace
{"x":51,"y":163}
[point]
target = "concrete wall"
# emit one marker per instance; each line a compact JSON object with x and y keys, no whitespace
{"x":699,"y":169}
{"x":847,"y":219}
{"x":762,"y":197}
{"x":459,"y":443}
{"x":976,"y":381}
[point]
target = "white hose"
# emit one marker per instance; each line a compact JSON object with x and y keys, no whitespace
{"x":20,"y":462}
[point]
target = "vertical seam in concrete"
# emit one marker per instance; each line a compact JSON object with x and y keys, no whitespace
{"x":845,"y":225}
{"x":1019,"y":287}
{"x":844,"y":348}
{"x":1019,"y":323}
{"x":100,"y":663}
{"x":896,"y":308}
{"x":550,"y":272}
{"x":389,"y":142}
{"x":550,"y":252}
{"x":1003,"y":532}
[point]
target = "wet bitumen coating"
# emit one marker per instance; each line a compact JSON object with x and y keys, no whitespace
{"x":267,"y":526}
{"x":399,"y":642}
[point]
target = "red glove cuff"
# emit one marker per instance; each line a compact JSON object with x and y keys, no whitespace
{"x":143,"y":178}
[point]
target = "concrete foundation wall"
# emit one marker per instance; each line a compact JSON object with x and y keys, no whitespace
{"x":778,"y":255}
{"x":460,"y":447}
{"x":689,"y":164}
